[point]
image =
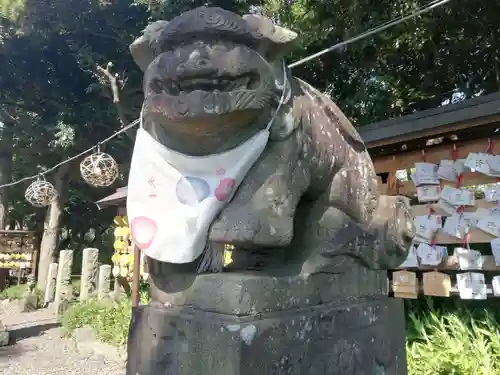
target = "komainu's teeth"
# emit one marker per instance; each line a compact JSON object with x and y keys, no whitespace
{"x":173,"y":89}
{"x":243,"y":81}
{"x":216,"y":84}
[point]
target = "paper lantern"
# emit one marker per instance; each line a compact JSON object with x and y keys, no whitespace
{"x":99,"y":169}
{"x":40,"y":193}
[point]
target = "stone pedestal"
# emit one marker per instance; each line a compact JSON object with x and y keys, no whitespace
{"x":285,"y":333}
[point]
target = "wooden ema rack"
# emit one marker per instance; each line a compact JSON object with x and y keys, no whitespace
{"x":406,"y":160}
{"x":20,"y":241}
{"x":449,"y":265}
{"x":453,"y":292}
{"x":475,"y":236}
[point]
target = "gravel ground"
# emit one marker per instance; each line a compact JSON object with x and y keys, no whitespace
{"x":40,"y":349}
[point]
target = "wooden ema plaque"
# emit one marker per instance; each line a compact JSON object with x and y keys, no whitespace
{"x":436,"y":284}
{"x":405,"y":284}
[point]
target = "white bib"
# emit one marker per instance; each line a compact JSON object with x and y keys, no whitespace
{"x":173,"y":198}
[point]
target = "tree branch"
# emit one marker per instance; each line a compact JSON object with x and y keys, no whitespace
{"x":115,"y":91}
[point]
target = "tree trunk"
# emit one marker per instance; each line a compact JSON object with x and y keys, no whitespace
{"x":52,"y":228}
{"x":495,"y":55}
{"x":5,"y":174}
{"x":6,"y":136}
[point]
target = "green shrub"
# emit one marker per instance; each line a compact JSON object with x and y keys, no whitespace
{"x":16,"y":292}
{"x":13,"y":292}
{"x":460,"y":342}
{"x":109,"y":320}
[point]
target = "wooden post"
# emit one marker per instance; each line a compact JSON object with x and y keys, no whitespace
{"x":34,"y":256}
{"x":136,"y":277}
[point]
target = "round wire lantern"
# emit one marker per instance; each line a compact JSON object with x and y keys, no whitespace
{"x":40,"y":193}
{"x":99,"y":169}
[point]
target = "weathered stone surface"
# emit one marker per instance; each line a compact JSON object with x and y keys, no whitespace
{"x":64,"y":290}
{"x":62,"y":306}
{"x":104,"y":284}
{"x":247,"y":294}
{"x":4,"y":335}
{"x":366,"y":338}
{"x":90,"y":270}
{"x":312,"y":237}
{"x":4,"y":338}
{"x":88,"y":343}
{"x":30,"y":283}
{"x":50,"y":289}
{"x":84,"y":334}
{"x":28,"y":302}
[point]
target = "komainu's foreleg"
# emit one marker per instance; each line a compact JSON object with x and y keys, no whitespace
{"x":263,"y":209}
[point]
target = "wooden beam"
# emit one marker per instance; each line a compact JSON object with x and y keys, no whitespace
{"x":136,"y":277}
{"x":450,"y":263}
{"x":435,"y":154}
{"x":476,"y":236}
{"x":423,"y":209}
{"x":434,"y":132}
{"x":16,"y":232}
{"x":453,"y":292}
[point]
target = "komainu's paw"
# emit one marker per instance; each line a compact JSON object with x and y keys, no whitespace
{"x":261,"y":228}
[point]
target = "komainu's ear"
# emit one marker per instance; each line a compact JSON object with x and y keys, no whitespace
{"x":141,"y":49}
{"x":276,"y":39}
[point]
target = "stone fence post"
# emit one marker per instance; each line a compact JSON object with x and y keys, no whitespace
{"x":90,"y":270}
{"x":63,"y":281}
{"x":104,"y":285}
{"x":50,"y":288}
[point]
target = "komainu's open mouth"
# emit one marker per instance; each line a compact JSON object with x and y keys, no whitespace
{"x":207,"y":84}
{"x":213,"y":84}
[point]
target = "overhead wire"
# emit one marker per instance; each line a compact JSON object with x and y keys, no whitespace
{"x":421,"y":10}
{"x":427,"y":8}
{"x":122,"y":130}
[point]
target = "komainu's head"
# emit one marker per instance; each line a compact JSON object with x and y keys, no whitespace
{"x":209,"y":66}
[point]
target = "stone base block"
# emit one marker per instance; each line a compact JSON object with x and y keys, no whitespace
{"x":28,"y":303}
{"x":4,"y":335}
{"x":365,"y":338}
{"x":4,"y":338}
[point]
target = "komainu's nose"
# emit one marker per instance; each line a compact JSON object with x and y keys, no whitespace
{"x":197,"y":65}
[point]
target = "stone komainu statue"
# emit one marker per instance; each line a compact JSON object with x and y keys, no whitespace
{"x":306,"y":293}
